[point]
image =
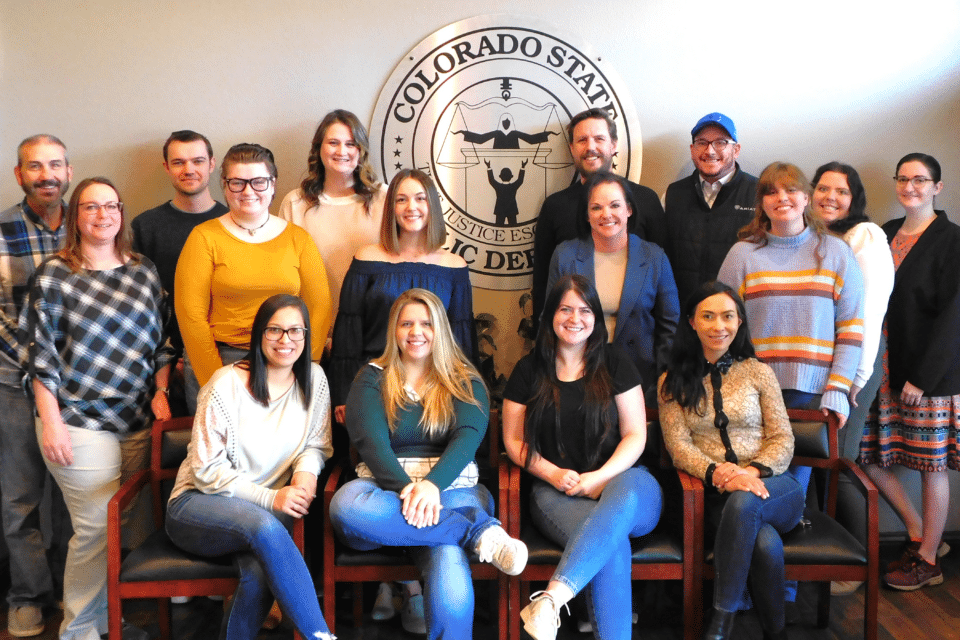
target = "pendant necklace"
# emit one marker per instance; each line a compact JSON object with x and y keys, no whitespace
{"x":251,"y":231}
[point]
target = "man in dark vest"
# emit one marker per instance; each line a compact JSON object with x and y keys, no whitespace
{"x":705,"y":210}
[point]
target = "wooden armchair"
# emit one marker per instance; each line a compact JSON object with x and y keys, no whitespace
{"x":343,"y":564}
{"x":158,"y":568}
{"x":825,"y":551}
{"x":672,"y":551}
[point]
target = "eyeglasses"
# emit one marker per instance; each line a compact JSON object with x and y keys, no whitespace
{"x":237,"y":185}
{"x":916,"y":181}
{"x":91,"y":208}
{"x":718,"y":145}
{"x":294,"y":333}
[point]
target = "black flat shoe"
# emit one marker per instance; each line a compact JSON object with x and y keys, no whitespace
{"x":721,"y":625}
{"x":775,"y":635}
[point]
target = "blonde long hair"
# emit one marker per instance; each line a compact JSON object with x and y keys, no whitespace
{"x":450,"y":376}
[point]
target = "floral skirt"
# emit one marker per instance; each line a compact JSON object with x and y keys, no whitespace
{"x":921,"y":437}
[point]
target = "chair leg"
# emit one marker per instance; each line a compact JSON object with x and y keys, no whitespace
{"x":163,"y":619}
{"x":330,"y":604}
{"x":114,"y":615}
{"x":503,"y":606}
{"x":871,"y":609}
{"x":357,"y":604}
{"x":823,"y":605}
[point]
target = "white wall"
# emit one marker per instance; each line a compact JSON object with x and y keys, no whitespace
{"x":864,"y":82}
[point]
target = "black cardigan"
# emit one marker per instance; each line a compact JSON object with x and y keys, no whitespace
{"x":923,"y":317}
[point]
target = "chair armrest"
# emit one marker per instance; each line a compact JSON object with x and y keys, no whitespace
{"x":689,"y":482}
{"x":513,"y":499}
{"x":503,"y":490}
{"x":332,"y":485}
{"x":329,"y":489}
{"x":870,"y":492}
{"x":115,"y":507}
{"x":127,"y":492}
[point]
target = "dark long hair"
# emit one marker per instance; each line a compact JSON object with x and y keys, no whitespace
{"x":598,"y":396}
{"x":256,"y":363}
{"x":688,"y":366}
{"x":595,"y":180}
{"x":858,"y":195}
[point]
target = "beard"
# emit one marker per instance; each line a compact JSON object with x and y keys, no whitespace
{"x":32,"y":190}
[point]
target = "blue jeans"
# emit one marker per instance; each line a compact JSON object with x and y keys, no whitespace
{"x":23,"y":478}
{"x":367,"y":517}
{"x":748,"y":543}
{"x":595,"y":536}
{"x":269,"y":563}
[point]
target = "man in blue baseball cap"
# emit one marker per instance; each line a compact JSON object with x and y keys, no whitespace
{"x":705,"y":210}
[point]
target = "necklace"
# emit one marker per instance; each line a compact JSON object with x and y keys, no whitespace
{"x":252,"y":231}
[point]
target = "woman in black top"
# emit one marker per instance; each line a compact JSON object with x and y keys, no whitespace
{"x":588,"y":496}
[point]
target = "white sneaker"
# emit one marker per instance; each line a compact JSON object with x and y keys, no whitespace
{"x":411,"y":617}
{"x":384,"y":608}
{"x":541,"y":618}
{"x":499,"y":549}
{"x":844,"y":587}
{"x":180,"y":599}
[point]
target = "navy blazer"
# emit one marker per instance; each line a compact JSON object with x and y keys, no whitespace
{"x":649,"y":307}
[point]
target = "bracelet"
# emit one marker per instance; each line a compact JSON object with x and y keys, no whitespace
{"x":166,"y":390}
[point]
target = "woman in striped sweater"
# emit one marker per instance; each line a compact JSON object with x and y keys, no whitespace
{"x":803,"y":292}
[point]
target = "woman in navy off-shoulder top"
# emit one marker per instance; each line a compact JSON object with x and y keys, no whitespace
{"x":408,"y":256}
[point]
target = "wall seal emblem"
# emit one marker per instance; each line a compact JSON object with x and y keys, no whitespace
{"x":482,"y":106}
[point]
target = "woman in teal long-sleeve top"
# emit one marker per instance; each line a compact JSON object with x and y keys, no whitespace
{"x":417,"y":415}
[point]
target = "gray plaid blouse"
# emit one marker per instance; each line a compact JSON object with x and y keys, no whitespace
{"x":100,"y":337}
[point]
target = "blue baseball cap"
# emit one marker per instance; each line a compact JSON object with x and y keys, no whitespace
{"x":718,"y":119}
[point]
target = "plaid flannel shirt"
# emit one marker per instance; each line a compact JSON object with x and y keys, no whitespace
{"x":25,"y":241}
{"x":101,"y":336}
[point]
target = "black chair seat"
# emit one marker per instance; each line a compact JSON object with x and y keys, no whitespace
{"x":158,"y":559}
{"x":824,"y":542}
{"x":655,"y":548}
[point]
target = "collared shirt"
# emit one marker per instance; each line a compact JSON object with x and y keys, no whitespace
{"x":710,"y":190}
{"x":25,"y":240}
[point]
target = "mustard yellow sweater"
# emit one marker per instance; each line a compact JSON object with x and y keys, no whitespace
{"x":221,"y":282}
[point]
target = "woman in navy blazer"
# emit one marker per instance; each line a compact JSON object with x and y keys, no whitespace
{"x":633,"y":276}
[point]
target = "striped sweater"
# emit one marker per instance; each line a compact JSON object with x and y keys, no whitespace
{"x":806,"y":323}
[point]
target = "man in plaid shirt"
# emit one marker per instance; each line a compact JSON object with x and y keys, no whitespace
{"x":29,"y":232}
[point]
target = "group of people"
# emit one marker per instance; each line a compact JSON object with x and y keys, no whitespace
{"x":785,"y":286}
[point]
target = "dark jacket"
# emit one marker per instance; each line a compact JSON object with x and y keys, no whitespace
{"x":557,"y":223}
{"x":923,"y":318}
{"x":698,"y":237}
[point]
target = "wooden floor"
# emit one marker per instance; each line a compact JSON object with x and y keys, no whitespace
{"x":932,"y":612}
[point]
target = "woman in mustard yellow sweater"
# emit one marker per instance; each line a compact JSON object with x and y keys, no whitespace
{"x":231,"y":264}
